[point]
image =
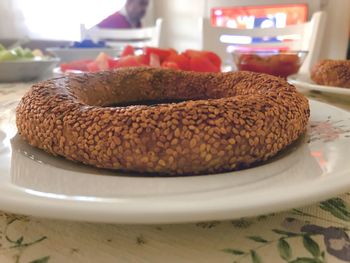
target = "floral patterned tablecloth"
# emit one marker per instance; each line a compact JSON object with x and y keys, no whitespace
{"x":317,"y":233}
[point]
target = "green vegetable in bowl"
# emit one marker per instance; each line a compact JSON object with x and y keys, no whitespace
{"x":23,"y":52}
{"x":6,"y":55}
{"x":19,"y":53}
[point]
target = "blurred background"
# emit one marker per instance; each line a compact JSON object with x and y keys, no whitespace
{"x":53,"y":22}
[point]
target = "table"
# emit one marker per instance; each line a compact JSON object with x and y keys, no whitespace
{"x":316,"y":233}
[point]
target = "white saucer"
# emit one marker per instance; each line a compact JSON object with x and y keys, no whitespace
{"x":313,"y":169}
{"x":304,"y":82}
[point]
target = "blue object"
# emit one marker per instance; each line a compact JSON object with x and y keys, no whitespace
{"x":88,"y":43}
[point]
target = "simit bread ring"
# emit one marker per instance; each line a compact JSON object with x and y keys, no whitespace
{"x":332,"y":73}
{"x":228,"y":120}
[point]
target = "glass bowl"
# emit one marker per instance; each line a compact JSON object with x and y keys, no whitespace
{"x":274,"y":62}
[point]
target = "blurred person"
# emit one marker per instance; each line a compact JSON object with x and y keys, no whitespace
{"x":128,"y":17}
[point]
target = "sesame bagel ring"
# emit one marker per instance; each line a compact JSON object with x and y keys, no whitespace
{"x":226,"y":121}
{"x":332,"y":73}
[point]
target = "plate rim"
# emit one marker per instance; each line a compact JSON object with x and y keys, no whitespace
{"x":300,"y":83}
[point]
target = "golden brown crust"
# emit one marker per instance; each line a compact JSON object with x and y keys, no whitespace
{"x":332,"y":73}
{"x":236,"y":119}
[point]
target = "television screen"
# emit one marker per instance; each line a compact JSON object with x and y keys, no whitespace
{"x":246,"y":17}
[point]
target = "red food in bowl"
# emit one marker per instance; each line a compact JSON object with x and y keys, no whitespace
{"x":282,"y":64}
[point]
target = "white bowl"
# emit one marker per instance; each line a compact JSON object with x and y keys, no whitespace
{"x":70,"y":54}
{"x":57,"y":72}
{"x":26,"y":70}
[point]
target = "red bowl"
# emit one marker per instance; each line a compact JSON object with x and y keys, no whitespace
{"x":277,"y":63}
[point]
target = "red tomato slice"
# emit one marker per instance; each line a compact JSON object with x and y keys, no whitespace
{"x":170,"y":64}
{"x":113,"y":63}
{"x":190,"y":53}
{"x":214,"y":58}
{"x":130,"y":61}
{"x":102,"y":61}
{"x":143,"y":59}
{"x":128,"y":51}
{"x":76,"y":65}
{"x":173,"y":51}
{"x":181,"y":60}
{"x":161,"y":53}
{"x":154,"y":60}
{"x":93,"y":67}
{"x":203,"y":64}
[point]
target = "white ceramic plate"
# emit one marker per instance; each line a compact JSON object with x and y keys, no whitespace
{"x":303,"y":81}
{"x":26,"y":70}
{"x":313,"y":169}
{"x":57,"y":72}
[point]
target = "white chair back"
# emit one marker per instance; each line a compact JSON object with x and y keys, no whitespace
{"x":138,"y":37}
{"x":306,"y":36}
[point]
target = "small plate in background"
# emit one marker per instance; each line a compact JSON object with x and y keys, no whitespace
{"x":304,"y":82}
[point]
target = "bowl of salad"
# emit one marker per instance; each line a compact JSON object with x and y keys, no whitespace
{"x":22,"y":64}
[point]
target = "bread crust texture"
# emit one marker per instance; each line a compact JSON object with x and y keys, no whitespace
{"x":224,"y":122}
{"x":334,"y":73}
